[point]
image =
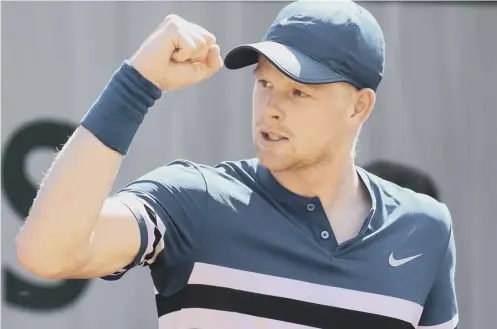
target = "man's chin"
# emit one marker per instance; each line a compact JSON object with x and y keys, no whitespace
{"x":273,"y":162}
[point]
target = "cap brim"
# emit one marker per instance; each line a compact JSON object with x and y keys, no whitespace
{"x":293,"y":63}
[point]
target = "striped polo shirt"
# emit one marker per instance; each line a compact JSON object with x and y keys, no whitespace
{"x":228,"y":247}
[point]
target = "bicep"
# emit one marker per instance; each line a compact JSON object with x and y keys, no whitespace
{"x":114,"y":244}
{"x":165,"y":205}
{"x":168,"y":205}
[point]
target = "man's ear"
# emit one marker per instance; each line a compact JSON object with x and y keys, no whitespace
{"x":365,"y":100}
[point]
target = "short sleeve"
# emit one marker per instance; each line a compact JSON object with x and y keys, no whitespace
{"x":169,"y":204}
{"x":440,"y":309}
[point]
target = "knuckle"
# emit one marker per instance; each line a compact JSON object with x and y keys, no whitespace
{"x":172,"y":27}
{"x":186,"y":46}
{"x":210,"y":38}
{"x":172,"y":22}
{"x":172,"y":17}
{"x":201,"y":43}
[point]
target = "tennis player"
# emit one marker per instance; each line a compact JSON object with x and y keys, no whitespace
{"x":298,"y":237}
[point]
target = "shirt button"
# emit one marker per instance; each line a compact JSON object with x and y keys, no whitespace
{"x":311,"y":207}
{"x":325,"y":235}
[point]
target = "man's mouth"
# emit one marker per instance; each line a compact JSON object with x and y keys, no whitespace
{"x":270,"y":137}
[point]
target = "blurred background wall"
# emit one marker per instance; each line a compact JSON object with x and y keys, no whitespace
{"x":436,"y":111}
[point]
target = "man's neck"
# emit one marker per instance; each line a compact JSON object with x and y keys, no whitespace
{"x":333,"y":183}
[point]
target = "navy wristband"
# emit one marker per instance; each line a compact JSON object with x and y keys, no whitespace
{"x":121,"y":107}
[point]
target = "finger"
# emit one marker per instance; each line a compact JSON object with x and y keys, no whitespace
{"x":185,"y":46}
{"x":193,"y":72}
{"x":208,"y":37}
{"x":214,"y":61}
{"x":212,"y":64}
{"x":204,"y":40}
{"x":168,"y":19}
{"x":201,"y":49}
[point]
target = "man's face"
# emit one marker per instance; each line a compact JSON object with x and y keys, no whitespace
{"x":296,"y":125}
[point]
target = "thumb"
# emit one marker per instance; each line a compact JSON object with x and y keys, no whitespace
{"x":198,"y":71}
{"x":214,"y":61}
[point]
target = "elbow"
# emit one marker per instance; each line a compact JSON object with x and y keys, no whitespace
{"x":38,"y":262}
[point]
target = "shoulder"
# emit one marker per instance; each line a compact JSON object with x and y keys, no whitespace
{"x":175,"y":173}
{"x":186,"y":174}
{"x":416,"y":209}
{"x":240,"y":169}
{"x":217,"y":175}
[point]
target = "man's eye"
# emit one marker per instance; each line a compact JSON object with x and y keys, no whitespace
{"x":264,"y":83}
{"x":299,"y":93}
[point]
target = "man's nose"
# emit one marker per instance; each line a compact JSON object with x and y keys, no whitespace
{"x":273,"y":107}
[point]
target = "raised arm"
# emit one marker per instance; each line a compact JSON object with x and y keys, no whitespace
{"x":71,"y":228}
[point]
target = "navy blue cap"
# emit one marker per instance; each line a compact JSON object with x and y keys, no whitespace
{"x":317,"y":42}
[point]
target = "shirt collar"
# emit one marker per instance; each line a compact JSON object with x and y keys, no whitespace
{"x":283,"y":195}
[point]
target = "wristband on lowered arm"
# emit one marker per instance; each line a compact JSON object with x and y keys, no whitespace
{"x":120,"y":109}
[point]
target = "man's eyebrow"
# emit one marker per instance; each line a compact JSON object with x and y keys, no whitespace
{"x":257,"y":69}
{"x":316,"y":87}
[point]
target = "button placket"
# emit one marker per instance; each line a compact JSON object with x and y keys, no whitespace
{"x":320,"y":225}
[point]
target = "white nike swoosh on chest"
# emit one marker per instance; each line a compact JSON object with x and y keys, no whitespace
{"x":398,"y":262}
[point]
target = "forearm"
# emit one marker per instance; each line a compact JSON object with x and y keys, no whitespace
{"x":67,"y":206}
{"x":57,"y":233}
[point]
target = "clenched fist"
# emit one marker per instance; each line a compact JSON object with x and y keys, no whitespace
{"x":177,"y":54}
